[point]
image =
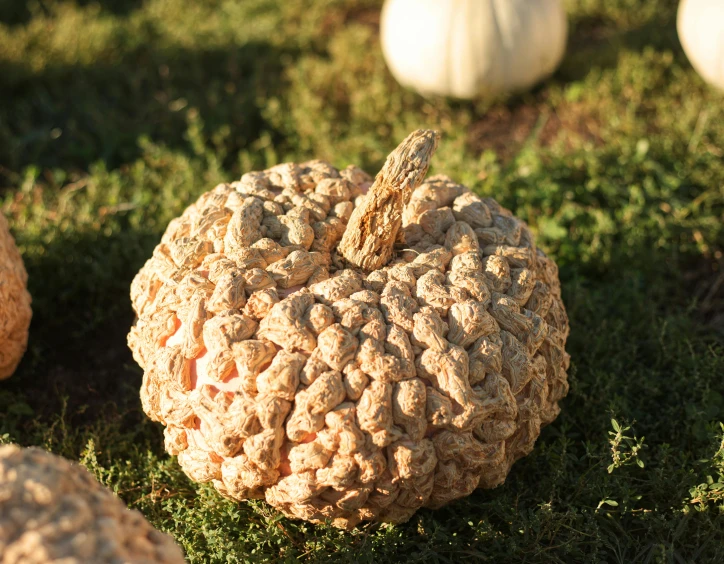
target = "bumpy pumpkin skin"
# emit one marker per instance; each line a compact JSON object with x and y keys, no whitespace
{"x":15,"y":302}
{"x":53,"y":510}
{"x":282,"y":373}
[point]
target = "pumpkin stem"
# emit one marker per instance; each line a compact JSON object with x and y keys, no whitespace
{"x":372,"y":230}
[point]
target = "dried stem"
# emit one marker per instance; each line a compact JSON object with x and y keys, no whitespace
{"x":371,"y":232}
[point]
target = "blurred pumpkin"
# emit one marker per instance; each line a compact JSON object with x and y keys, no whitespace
{"x":467,"y":48}
{"x":701,"y":32}
{"x":15,"y":312}
{"x":54,"y":510}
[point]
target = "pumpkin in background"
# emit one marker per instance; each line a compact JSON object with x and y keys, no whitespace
{"x":701,"y":32}
{"x":15,"y":302}
{"x":467,"y":48}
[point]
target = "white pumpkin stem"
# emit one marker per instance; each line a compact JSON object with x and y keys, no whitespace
{"x":372,"y":230}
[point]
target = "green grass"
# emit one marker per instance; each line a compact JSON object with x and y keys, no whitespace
{"x":116,"y":115}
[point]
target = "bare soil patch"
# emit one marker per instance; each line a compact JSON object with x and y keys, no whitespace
{"x":505,"y":130}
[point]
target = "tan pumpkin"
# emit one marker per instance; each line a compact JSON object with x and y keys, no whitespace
{"x":15,"y":312}
{"x":350,"y":350}
{"x":53,"y":510}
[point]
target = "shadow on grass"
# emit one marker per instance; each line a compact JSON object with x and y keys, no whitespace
{"x":72,"y":116}
{"x":77,"y":362}
{"x":19,"y":12}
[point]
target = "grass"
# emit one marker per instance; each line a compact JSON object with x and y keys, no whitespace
{"x":116,"y":115}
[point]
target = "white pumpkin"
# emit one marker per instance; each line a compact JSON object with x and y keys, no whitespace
{"x":465,"y":48}
{"x":701,"y":32}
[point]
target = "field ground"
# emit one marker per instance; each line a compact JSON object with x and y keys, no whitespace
{"x":114,"y":116}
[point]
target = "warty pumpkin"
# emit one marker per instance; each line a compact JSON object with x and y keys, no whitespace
{"x":346,"y":349}
{"x":53,"y":510}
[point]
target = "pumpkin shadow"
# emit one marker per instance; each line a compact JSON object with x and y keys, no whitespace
{"x":592,"y":45}
{"x":71,"y":116}
{"x":77,"y":365}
